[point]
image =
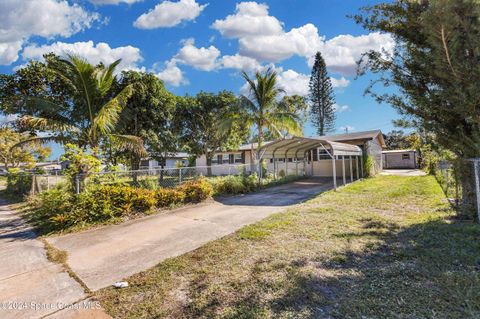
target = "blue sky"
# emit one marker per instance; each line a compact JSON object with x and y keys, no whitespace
{"x":196,"y":45}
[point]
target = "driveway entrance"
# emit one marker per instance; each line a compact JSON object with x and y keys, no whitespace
{"x":108,"y":254}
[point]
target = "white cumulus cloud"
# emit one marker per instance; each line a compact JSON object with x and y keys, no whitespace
{"x":172,"y":74}
{"x":262,"y":37}
{"x":340,"y":108}
{"x":204,"y":59}
{"x":101,"y":52}
{"x":293,"y":83}
{"x":102,"y":2}
{"x":340,"y":83}
{"x":240,"y":62}
{"x":169,"y":14}
{"x":250,"y":19}
{"x":19,"y":20}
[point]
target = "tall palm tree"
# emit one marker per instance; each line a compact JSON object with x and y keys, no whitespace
{"x":92,"y":113}
{"x":264,"y":111}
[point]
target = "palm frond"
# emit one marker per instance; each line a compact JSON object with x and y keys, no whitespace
{"x":105,"y":77}
{"x":285,"y":121}
{"x":108,"y":115}
{"x":128,"y":143}
{"x":39,"y":140}
{"x":45,"y":124}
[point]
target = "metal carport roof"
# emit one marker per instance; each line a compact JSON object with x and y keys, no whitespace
{"x":295,"y":146}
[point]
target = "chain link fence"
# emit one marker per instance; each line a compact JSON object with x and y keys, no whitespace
{"x":158,"y":177}
{"x":460,"y":181}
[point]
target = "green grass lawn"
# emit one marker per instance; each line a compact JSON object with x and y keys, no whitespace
{"x":386,"y":247}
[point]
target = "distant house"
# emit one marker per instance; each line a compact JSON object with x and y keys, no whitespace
{"x":400,"y":159}
{"x":172,"y":161}
{"x":370,"y":142}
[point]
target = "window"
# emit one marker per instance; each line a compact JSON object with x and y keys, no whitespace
{"x":323,"y":154}
{"x":290,"y":160}
{"x":225,"y":158}
{"x":238,"y":158}
{"x":315,"y":155}
{"x":217,"y":160}
{"x":406,"y":156}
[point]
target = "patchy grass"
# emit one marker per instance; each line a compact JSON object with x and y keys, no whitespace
{"x":386,"y":247}
{"x":60,"y":257}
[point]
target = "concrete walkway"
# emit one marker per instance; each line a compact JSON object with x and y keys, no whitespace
{"x":403,"y":172}
{"x":30,"y":285}
{"x":108,"y":254}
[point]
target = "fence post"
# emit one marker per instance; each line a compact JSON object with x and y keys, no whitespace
{"x":477,"y":187}
{"x":48,"y":183}
{"x":77,"y":184}
{"x":179,"y":175}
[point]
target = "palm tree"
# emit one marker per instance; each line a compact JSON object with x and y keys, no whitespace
{"x":264,"y":111}
{"x":92,"y":114}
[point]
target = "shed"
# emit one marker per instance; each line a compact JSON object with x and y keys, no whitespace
{"x":399,"y":159}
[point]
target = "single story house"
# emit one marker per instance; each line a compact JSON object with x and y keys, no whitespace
{"x":399,"y":159}
{"x":171,"y":161}
{"x":314,"y":157}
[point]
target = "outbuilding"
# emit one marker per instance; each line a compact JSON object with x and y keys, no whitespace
{"x":398,"y":159}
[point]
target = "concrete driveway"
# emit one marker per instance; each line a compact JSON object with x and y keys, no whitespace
{"x":30,"y":285}
{"x":108,"y":254}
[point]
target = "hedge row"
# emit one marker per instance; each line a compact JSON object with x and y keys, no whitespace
{"x":58,"y":210}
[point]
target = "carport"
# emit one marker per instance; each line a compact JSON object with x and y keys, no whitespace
{"x":296,"y":149}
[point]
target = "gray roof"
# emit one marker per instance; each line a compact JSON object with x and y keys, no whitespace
{"x":365,"y":135}
{"x":398,"y":151}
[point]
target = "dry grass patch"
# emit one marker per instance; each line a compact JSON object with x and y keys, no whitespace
{"x":385,"y":247}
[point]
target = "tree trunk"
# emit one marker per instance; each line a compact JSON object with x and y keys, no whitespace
{"x":209,"y":157}
{"x":261,"y":164}
{"x":468,"y":202}
{"x":135,"y":164}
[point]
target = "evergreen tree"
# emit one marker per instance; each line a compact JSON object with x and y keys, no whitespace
{"x":322,"y":112}
{"x":435,"y":66}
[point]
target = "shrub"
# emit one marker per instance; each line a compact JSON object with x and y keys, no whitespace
{"x":149,"y":183}
{"x":234,"y":184}
{"x":18,"y":182}
{"x":168,"y":197}
{"x":196,"y":191}
{"x":228,"y":185}
{"x":144,"y":199}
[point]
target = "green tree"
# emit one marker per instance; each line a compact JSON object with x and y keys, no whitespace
{"x":435,"y":66}
{"x":148,"y":114}
{"x":395,"y":140}
{"x":36,"y":81}
{"x":91,"y":112}
{"x":264,"y":112}
{"x":322,"y":111}
{"x":12,"y":156}
{"x":202,"y":126}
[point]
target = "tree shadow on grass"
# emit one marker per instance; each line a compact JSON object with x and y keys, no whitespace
{"x":428,"y":270}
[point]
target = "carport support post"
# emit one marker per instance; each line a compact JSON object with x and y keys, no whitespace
{"x":343,"y":170}
{"x":286,"y":166}
{"x":356,"y":163}
{"x":351,"y":168}
{"x":334,"y":173}
{"x":361,"y":164}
